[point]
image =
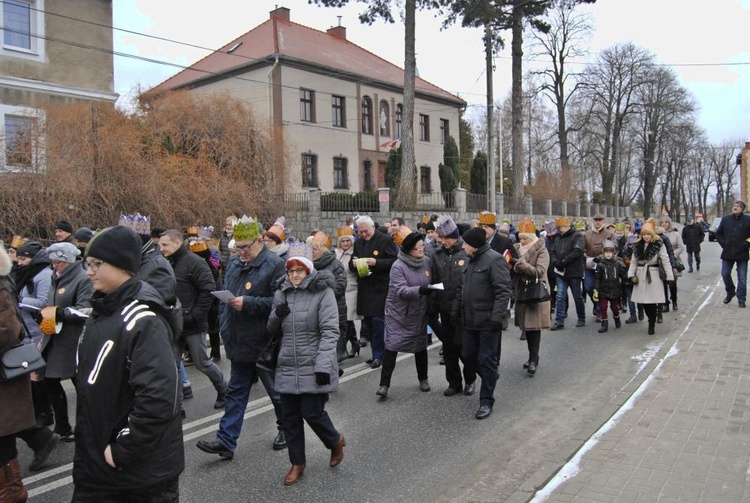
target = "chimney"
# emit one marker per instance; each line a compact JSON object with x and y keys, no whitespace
{"x":280,"y":13}
{"x":338,"y":32}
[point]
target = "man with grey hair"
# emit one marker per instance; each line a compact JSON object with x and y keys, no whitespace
{"x":378,"y":253}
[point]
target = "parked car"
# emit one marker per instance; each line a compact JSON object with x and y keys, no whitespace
{"x":712,"y":229}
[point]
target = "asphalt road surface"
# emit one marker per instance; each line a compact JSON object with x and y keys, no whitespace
{"x":424,"y":447}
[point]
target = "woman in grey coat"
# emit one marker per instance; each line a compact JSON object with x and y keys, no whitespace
{"x":406,"y":312}
{"x":305,"y":310}
{"x":70,"y":288}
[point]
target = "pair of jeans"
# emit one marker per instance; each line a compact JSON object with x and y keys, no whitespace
{"x":196,"y":344}
{"x":589,"y":282}
{"x":452,"y":335}
{"x":697,"y":255}
{"x":376,"y":329}
{"x":310,"y":408}
{"x":481,"y":352}
{"x":726,"y":274}
{"x":562,"y":298}
{"x":242,"y":376}
{"x":389,"y":365}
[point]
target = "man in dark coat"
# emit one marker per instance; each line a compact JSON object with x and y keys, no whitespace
{"x":566,"y":258}
{"x":483,"y":300}
{"x":732,"y":235}
{"x":252,"y":276}
{"x":379,"y":251}
{"x":498,"y":242}
{"x":194,"y":286}
{"x":692,"y":236}
{"x":155,"y":269}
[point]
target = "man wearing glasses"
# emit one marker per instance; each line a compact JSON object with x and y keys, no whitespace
{"x":252,"y":275}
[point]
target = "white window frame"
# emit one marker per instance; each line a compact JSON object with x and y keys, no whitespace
{"x":37,"y":152}
{"x":36,"y":35}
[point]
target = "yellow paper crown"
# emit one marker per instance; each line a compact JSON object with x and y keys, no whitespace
{"x":344,"y":231}
{"x":402,"y":233}
{"x":246,"y":229}
{"x":526,"y":226}
{"x":562,"y":222}
{"x":487,"y":218}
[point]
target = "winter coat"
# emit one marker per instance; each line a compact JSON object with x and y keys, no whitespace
{"x":244,"y":332}
{"x":351,"y":284}
{"x":309,"y":335}
{"x":448,"y":268}
{"x":405,"y":308}
{"x":595,"y":241}
{"x":567,"y":253}
{"x":485,"y":290}
{"x":645,"y":264}
{"x":157,"y":272}
{"x":532,"y":264}
{"x":224,"y":251}
{"x":675,"y":239}
{"x":127,"y":393}
{"x":72,"y":289}
{"x":732,"y":234}
{"x":373,"y":289}
{"x":194,"y":286}
{"x":693,"y":235}
{"x":329,"y":263}
{"x":35,"y":294}
{"x":501,"y":243}
{"x":610,"y":278}
{"x":17,"y":411}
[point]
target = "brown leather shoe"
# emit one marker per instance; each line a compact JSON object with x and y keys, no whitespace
{"x":337,"y":453}
{"x":295,"y":473}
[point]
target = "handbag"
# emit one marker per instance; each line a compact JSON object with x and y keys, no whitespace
{"x":533,"y":291}
{"x":19,"y":361}
{"x":269,"y":357}
{"x":678,"y":264}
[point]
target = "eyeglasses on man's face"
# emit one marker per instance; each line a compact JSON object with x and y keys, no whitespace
{"x":246,"y":247}
{"x":94,"y":265}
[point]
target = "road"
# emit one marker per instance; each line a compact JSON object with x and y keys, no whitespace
{"x":424,"y":447}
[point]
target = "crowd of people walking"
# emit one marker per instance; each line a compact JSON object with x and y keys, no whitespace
{"x":120,"y":312}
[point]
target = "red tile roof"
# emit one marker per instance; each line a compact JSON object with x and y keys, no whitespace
{"x":302,"y":45}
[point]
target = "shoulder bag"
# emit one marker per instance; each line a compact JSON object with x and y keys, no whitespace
{"x":532,"y":291}
{"x":19,"y":361}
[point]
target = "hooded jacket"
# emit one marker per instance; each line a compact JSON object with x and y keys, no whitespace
{"x":194,"y":286}
{"x":405,"y":308}
{"x":127,"y":393}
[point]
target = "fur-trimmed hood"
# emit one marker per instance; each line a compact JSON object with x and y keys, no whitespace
{"x":6,"y":264}
{"x":316,"y":281}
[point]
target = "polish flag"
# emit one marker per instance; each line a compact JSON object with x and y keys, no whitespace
{"x":390,"y":144}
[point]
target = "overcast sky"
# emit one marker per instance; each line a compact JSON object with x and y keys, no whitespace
{"x":676,"y":31}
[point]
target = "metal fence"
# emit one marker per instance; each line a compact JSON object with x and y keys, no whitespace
{"x":296,"y":202}
{"x":539,"y":206}
{"x":358,"y":202}
{"x":557,"y":208}
{"x":476,"y":202}
{"x":514,"y":205}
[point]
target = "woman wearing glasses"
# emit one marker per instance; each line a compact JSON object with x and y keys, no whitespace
{"x":305,"y":310}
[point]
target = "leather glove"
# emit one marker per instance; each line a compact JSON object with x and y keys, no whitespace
{"x":423,"y":290}
{"x":322,"y":378}
{"x":282,"y":310}
{"x":595,"y":296}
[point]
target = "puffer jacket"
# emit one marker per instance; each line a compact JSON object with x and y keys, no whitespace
{"x":405,"y":308}
{"x":244,"y":332}
{"x":329,"y":263}
{"x":447,"y":268}
{"x":194,"y":286}
{"x":127,"y":393}
{"x":610,"y":278}
{"x":309,"y":335}
{"x":35,"y":294}
{"x":567,"y":253}
{"x":485,"y":291}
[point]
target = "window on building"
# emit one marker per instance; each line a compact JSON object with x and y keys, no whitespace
{"x":19,"y":132}
{"x":399,"y":119}
{"x":445,"y":130}
{"x":17,"y":24}
{"x":424,"y":127}
{"x":309,"y":170}
{"x":368,"y":175}
{"x":340,"y":175}
{"x":425,"y":179}
{"x":366,"y":115}
{"x":306,"y":105}
{"x":384,"y":116}
{"x":338,"y":111}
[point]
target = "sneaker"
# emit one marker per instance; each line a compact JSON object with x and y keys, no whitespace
{"x":557,"y":326}
{"x":41,"y":455}
{"x":581,"y":323}
{"x":187,"y":361}
{"x":632,"y":319}
{"x":424,"y":386}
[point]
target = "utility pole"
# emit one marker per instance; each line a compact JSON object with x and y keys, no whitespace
{"x":490,"y":120}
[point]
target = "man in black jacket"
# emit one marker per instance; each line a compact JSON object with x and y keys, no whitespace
{"x":498,"y":242}
{"x":732,"y":235}
{"x":128,"y":429}
{"x":692,"y":236}
{"x":566,"y":259}
{"x":379,"y":251}
{"x":194,"y":286}
{"x":483,"y":296}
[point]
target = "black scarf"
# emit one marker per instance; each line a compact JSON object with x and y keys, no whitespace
{"x":644,"y":253}
{"x":25,"y":275}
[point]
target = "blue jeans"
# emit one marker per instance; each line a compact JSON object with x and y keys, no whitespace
{"x":726,"y":275}
{"x":377,"y":335}
{"x":481,"y":354}
{"x":589,"y":283}
{"x":238,"y":394}
{"x":562,"y":299}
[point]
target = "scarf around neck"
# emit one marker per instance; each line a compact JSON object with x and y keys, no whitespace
{"x":412,"y":262}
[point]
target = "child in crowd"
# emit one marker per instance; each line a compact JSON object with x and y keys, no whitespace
{"x":610,"y":284}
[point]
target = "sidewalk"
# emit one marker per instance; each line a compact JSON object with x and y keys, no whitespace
{"x":685,"y":433}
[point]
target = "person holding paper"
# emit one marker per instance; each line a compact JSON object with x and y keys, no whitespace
{"x":406,"y":310}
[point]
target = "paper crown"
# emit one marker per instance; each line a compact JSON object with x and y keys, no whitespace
{"x":198,"y":245}
{"x":487,"y":218}
{"x":300,"y":249}
{"x":206,"y":232}
{"x":322,"y":237}
{"x":192,"y":230}
{"x":562,"y":222}
{"x":526,"y":226}
{"x":579,"y":225}
{"x":403,"y":231}
{"x":425,"y":219}
{"x":136,"y":222}
{"x":277,"y":231}
{"x":344,"y":231}
{"x":16,"y":242}
{"x":445,"y":226}
{"x":246,"y":228}
{"x":620,"y":227}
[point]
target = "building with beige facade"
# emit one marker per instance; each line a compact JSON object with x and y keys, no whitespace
{"x":338,"y":107}
{"x":52,"y":51}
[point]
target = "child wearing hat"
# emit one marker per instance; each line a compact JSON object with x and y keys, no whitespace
{"x":610,"y":284}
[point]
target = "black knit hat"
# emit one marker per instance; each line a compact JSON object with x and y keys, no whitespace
{"x":29,"y":249}
{"x":410,"y":241}
{"x":84,"y":235}
{"x":118,"y":246}
{"x":64,"y":225}
{"x":475,"y":237}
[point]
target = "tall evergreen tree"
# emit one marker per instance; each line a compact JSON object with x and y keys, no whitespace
{"x":449,"y":169}
{"x":393,"y":168}
{"x":466,"y":140}
{"x":479,"y":174}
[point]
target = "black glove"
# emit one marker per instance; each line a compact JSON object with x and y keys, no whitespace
{"x":322,"y":378}
{"x":597,"y":260}
{"x":423,"y":290}
{"x":559,"y":266}
{"x":282,"y":310}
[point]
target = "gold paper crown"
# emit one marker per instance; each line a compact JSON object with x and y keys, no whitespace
{"x":426,"y":219}
{"x":16,"y":242}
{"x":487,"y":218}
{"x":344,"y":231}
{"x":402,"y":233}
{"x":562,"y":222}
{"x":246,"y":229}
{"x":193,"y":230}
{"x":324,"y":238}
{"x":198,"y":245}
{"x":526,"y":226}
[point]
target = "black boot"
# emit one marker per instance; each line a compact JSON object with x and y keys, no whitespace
{"x":640,"y":312}
{"x":674,"y":304}
{"x":659,"y":317}
{"x":341,"y":353}
{"x":617,"y":322}
{"x":604,"y":327}
{"x":651,"y":326}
